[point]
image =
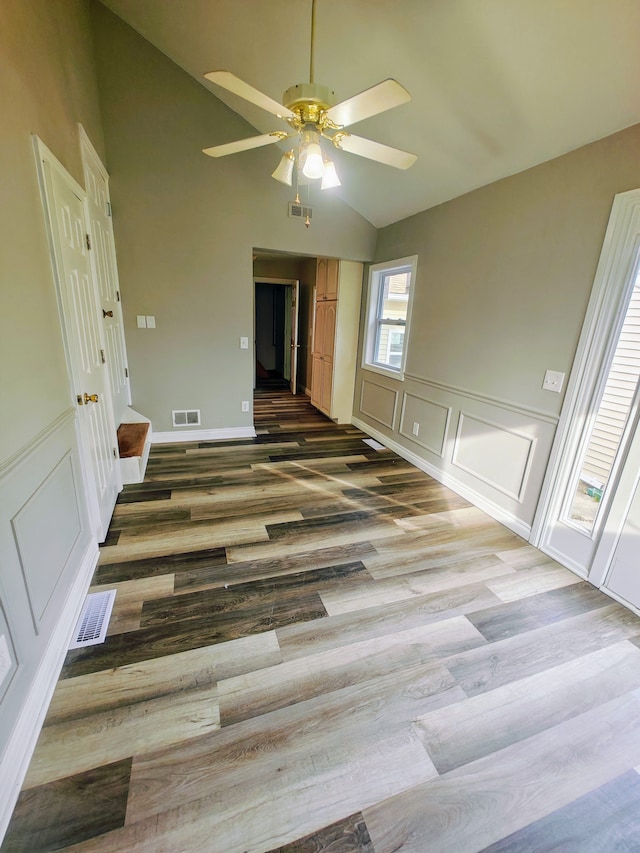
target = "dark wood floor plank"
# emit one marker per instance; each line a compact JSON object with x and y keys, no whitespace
{"x":70,"y":810}
{"x":167,"y":564}
{"x":345,"y":836}
{"x":252,"y":570}
{"x":276,"y":594}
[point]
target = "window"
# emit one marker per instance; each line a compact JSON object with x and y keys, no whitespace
{"x":388,"y":313}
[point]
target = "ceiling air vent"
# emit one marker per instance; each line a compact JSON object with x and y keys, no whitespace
{"x":186,"y":417}
{"x":300,"y":211}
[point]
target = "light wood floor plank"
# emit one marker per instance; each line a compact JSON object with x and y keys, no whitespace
{"x":476,"y":805}
{"x":257,"y":693}
{"x":490,"y":721}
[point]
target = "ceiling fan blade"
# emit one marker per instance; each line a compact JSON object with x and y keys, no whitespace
{"x":374,"y":150}
{"x":372,"y":101}
{"x":246,"y":144}
{"x":234,"y":84}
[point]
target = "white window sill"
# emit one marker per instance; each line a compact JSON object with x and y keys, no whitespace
{"x":384,"y":371}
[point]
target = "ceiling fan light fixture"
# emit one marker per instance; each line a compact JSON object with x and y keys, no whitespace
{"x":330,"y":176}
{"x":284,"y":170}
{"x":311,"y":157}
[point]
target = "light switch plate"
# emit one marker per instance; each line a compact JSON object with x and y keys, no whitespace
{"x":151,"y":321}
{"x":553,"y":380}
{"x":141,"y":320}
{"x":244,"y":343}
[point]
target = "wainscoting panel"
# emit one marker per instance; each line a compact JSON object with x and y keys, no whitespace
{"x":47,"y":553}
{"x":497,"y":456}
{"x":378,"y":402}
{"x":490,"y":451}
{"x":46,"y":529}
{"x":7,"y":652}
{"x":432,"y":420}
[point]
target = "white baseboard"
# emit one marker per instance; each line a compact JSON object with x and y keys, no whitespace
{"x":564,"y":560}
{"x":515,"y":524}
{"x":22,"y":742}
{"x":202,"y":435}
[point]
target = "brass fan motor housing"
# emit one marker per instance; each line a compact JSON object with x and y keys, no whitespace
{"x":309,"y":101}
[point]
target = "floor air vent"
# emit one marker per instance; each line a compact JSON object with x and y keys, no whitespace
{"x":373,"y":443}
{"x":91,"y":627}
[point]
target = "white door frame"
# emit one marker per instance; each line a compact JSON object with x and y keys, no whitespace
{"x":107,"y":284}
{"x":287,"y":282}
{"x":605,"y":313}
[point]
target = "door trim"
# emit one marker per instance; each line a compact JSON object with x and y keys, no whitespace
{"x":286,"y":282}
{"x":613,"y":282}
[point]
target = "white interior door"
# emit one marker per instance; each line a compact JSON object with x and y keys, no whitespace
{"x":82,"y":333}
{"x":103,"y":257}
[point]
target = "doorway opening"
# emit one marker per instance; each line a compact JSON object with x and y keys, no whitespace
{"x":275,"y":336}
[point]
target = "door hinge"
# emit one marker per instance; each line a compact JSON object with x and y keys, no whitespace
{"x":88,"y":241}
{"x":115,"y":453}
{"x":126,"y":372}
{"x":117,"y":296}
{"x":108,"y":208}
{"x":102,"y":358}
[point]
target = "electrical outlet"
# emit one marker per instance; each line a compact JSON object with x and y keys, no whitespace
{"x":245,"y":405}
{"x":244,"y":344}
{"x":416,"y":428}
{"x":553,"y":380}
{"x":5,"y":658}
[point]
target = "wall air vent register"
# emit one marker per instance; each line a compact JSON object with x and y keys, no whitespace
{"x":186,"y":417}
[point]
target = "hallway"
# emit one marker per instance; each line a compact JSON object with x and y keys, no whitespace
{"x":315,"y":646}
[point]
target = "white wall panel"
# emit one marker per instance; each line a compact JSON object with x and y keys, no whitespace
{"x":46,"y":529}
{"x":47,"y":556}
{"x":497,"y":456}
{"x":432,"y":419}
{"x":378,"y":402}
{"x":491,"y":451}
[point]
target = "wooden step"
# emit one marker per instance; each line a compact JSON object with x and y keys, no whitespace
{"x":131,"y":439}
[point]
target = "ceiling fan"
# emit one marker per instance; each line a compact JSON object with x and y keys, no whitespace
{"x":310,"y":112}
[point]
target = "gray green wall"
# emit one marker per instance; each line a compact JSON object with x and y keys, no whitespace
{"x":47,"y":86}
{"x":503,"y":281}
{"x":185,"y":227}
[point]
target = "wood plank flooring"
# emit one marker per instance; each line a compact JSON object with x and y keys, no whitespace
{"x":316,"y":647}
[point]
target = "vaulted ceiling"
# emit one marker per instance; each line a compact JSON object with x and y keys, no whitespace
{"x":496,"y":86}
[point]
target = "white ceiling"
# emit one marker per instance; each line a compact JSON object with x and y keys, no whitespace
{"x":497,"y":86}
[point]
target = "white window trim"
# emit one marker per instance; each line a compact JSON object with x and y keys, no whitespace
{"x":376,"y":272}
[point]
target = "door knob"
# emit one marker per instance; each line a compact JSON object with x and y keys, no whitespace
{"x":107,"y":313}
{"x":90,"y":398}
